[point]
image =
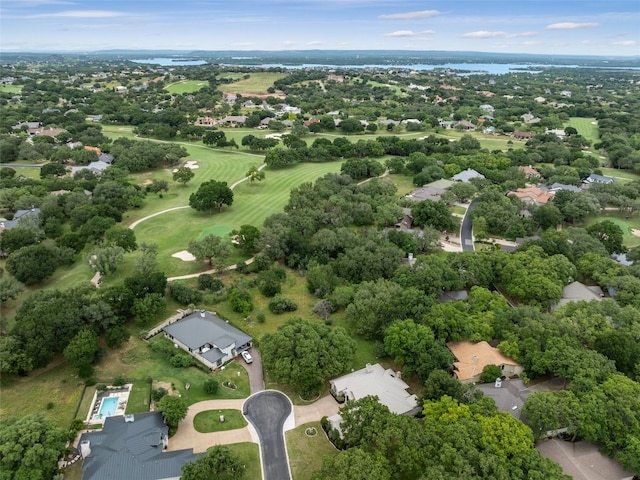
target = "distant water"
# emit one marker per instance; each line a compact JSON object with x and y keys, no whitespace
{"x":169,"y":62}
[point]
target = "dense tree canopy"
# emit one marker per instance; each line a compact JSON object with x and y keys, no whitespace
{"x":211,"y":194}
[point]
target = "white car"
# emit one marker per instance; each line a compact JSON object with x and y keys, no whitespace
{"x":247,"y":357}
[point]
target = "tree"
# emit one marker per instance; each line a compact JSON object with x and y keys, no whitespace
{"x":254,"y":174}
{"x":173,"y":409}
{"x":304,"y":354}
{"x":435,"y":214}
{"x":245,"y":238}
{"x":105,"y":260}
{"x":121,"y":237}
{"x":183,"y":175}
{"x":210,"y":195}
{"x":81,"y":351}
{"x":219,"y":462}
{"x":610,"y":234}
{"x":30,"y":447}
{"x":547,"y":411}
{"x":31,"y":264}
{"x":16,"y":238}
{"x":354,"y":464}
{"x":209,"y":248}
{"x":148,"y":307}
{"x":10,"y":288}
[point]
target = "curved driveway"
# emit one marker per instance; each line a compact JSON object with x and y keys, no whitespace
{"x":268,"y":411}
{"x":466,"y":230}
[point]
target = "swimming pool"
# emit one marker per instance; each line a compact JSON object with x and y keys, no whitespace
{"x":108,"y":407}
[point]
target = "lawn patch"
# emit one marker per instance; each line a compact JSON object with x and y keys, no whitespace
{"x":209,"y":421}
{"x":307,"y":452}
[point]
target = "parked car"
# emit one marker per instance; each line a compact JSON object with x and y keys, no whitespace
{"x":247,"y":357}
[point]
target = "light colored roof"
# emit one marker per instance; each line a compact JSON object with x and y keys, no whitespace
{"x":529,"y":171}
{"x":473,"y":357}
{"x":375,"y":380}
{"x":533,"y":194}
{"x":577,"y":291}
{"x":467,"y":175}
{"x":201,"y":328}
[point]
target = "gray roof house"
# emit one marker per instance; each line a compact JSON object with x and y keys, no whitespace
{"x":132,"y":446}
{"x":9,"y":224}
{"x":595,"y":178}
{"x":466,"y":175}
{"x":509,"y":395}
{"x":556,"y":187}
{"x":576,"y":292}
{"x":208,"y":338}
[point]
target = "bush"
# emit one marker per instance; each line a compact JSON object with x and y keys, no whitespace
{"x":211,"y":386}
{"x":181,"y":361}
{"x":208,"y":282}
{"x":156,"y":395}
{"x":260,"y":318}
{"x":240,"y":300}
{"x":184,"y":294}
{"x":243,"y":268}
{"x":490,"y":373}
{"x":280,"y":305}
{"x":119,"y":381}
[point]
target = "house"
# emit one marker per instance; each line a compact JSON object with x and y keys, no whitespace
{"x":465,"y":125}
{"x":487,"y":108}
{"x":205,"y":122}
{"x":132,"y":446}
{"x":558,"y":132}
{"x":556,"y":187}
{"x":466,"y":175}
{"x":471,"y":358}
{"x":47,"y":132}
{"x":28,"y":125}
{"x":489,"y":130}
{"x":523,"y":135}
{"x":595,"y":178}
{"x":97,"y":167}
{"x":529,"y":118}
{"x":453,"y":296}
{"x":20,"y":214}
{"x":529,"y":171}
{"x":432,"y":191}
{"x":234,"y":120}
{"x":540,"y":100}
{"x":509,"y":395}
{"x":208,"y":338}
{"x":532,"y":195}
{"x":374,"y":380}
{"x":405,"y":222}
{"x":579,"y":292}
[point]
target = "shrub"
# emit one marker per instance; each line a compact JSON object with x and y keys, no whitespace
{"x":184,"y":294}
{"x":243,"y":268}
{"x":240,"y":301}
{"x":116,"y":336}
{"x":280,"y":305}
{"x":490,"y":373}
{"x":211,"y":386}
{"x":260,"y":318}
{"x":181,"y":361}
{"x":206,"y":281}
{"x":119,"y":381}
{"x":157,"y":394}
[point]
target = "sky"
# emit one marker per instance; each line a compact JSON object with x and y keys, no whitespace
{"x":571,"y":27}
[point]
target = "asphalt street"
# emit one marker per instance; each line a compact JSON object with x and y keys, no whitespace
{"x":267,"y":412}
{"x":466,"y":231}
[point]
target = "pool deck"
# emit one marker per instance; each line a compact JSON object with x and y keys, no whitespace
{"x":121,"y":393}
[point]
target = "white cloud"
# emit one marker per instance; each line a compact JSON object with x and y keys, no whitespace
{"x":485,"y":34}
{"x":571,"y":25}
{"x":315,"y":43}
{"x":410,"y":15}
{"x":408,"y":33}
{"x":81,"y":14}
{"x":624,"y":43}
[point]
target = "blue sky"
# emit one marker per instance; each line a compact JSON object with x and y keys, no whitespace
{"x":515,"y":26}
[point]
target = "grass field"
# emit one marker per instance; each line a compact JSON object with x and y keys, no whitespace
{"x":626,"y":224}
{"x":306,"y":453}
{"x":10,"y":88}
{"x":258,"y":82}
{"x":209,"y":421}
{"x":623,"y":176}
{"x":186,"y":86}
{"x":249,"y":456}
{"x":587,"y":127}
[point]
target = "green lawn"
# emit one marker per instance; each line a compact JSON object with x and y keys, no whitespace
{"x":249,"y":456}
{"x":209,"y":420}
{"x":306,"y":453}
{"x":626,"y":224}
{"x":623,"y":176}
{"x":10,"y":88}
{"x":587,"y":127}
{"x":258,"y":82}
{"x":186,"y":86}
{"x":139,"y":397}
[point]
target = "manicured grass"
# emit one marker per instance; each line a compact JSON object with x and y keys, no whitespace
{"x":10,"y":88}
{"x":626,"y":224}
{"x":456,"y":209}
{"x":258,"y":82}
{"x":252,"y":204}
{"x":139,"y":397}
{"x":307,"y":453}
{"x":403,"y":183}
{"x":186,"y":86}
{"x":587,"y":127}
{"x":209,"y":421}
{"x":249,"y":456}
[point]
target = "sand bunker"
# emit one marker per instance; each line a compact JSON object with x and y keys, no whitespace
{"x":184,"y":255}
{"x":636,"y":232}
{"x":192,"y":164}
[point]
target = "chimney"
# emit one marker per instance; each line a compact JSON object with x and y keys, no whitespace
{"x":129,"y":418}
{"x":202,"y":313}
{"x":85,"y":448}
{"x":369,"y":368}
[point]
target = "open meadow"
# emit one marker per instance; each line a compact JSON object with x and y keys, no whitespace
{"x":258,"y":82}
{"x":185,"y":86}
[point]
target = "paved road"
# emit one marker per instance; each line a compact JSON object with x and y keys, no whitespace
{"x":267,"y":411}
{"x":466,"y":230}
